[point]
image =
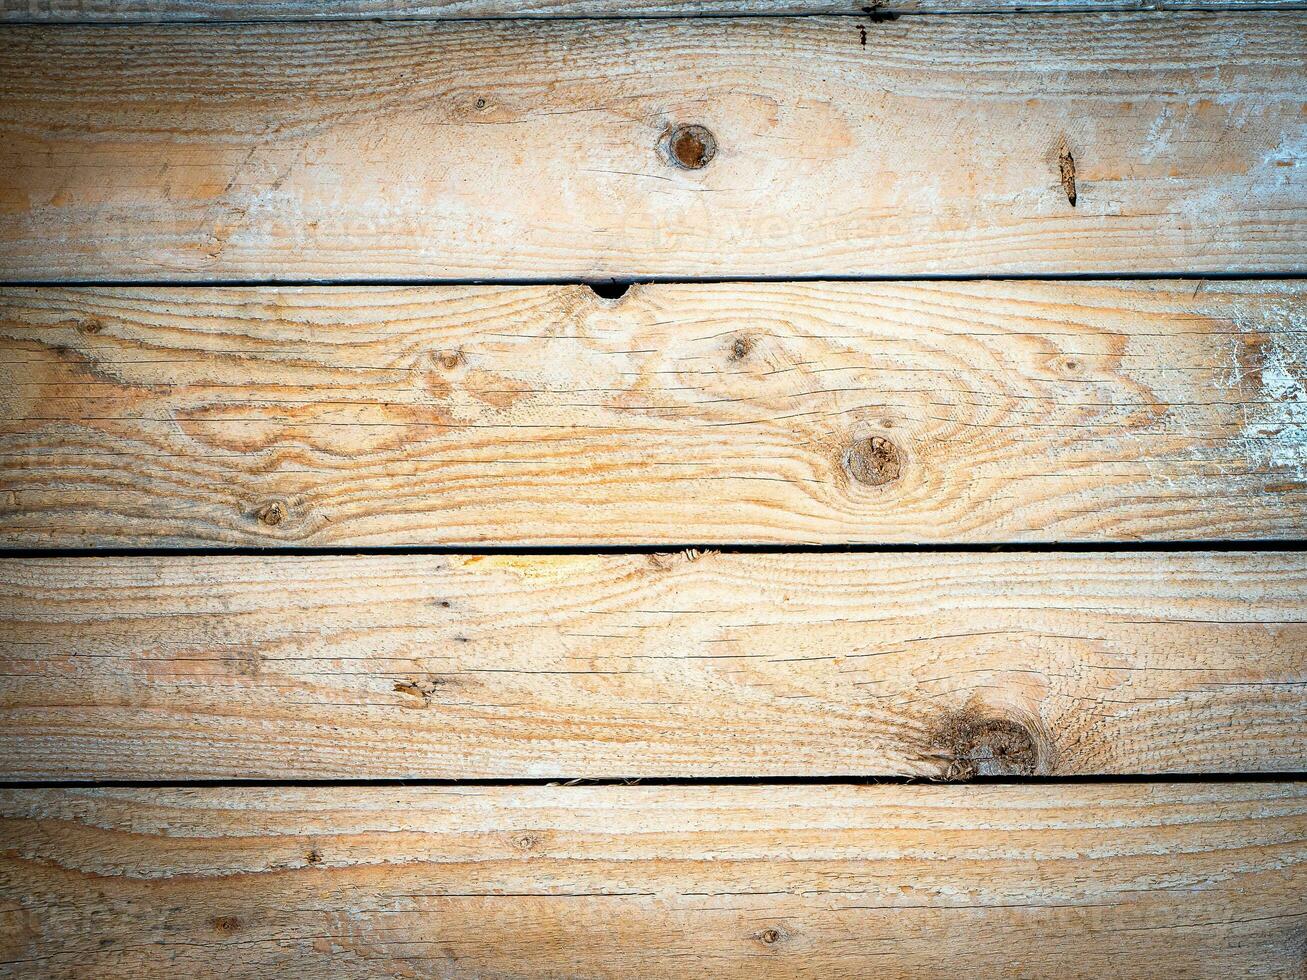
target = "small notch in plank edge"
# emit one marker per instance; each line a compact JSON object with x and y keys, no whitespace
{"x":610,"y":288}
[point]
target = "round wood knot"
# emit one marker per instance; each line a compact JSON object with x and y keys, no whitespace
{"x":449,"y":359}
{"x":770,"y":937}
{"x":526,"y":842}
{"x":974,"y":743}
{"x":227,"y":924}
{"x":89,"y":326}
{"x":271,"y":514}
{"x":875,"y":461}
{"x":742,"y":346}
{"x":692,"y":147}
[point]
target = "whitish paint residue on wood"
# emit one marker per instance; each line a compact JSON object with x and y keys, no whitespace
{"x":1273,"y":436}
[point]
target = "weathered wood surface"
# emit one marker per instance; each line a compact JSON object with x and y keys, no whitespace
{"x":153,"y":11}
{"x":709,"y":413}
{"x":539,"y":149}
{"x":512,"y":666}
{"x":801,"y":881}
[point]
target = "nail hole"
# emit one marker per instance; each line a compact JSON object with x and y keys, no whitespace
{"x":692,"y":147}
{"x":609,"y":289}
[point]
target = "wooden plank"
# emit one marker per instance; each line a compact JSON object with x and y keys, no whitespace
{"x":157,"y":11}
{"x":681,"y":414}
{"x":798,"y":881}
{"x":944,"y":666}
{"x":541,"y":149}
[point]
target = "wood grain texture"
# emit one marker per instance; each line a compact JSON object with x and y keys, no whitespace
{"x":735,"y":882}
{"x":538,"y":149}
{"x":157,"y":11}
{"x":708,"y":665}
{"x":710,"y":413}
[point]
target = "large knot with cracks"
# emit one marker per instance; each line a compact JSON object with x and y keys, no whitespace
{"x":973,"y":742}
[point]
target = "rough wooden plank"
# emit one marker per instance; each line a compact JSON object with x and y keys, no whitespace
{"x":801,"y":881}
{"x":611,"y":666}
{"x":713,"y":413}
{"x":540,"y":149}
{"x":156,"y":11}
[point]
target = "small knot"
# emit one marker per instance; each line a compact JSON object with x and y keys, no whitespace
{"x":271,"y":514}
{"x":526,"y":842}
{"x":449,"y":359}
{"x":875,"y":461}
{"x":314,"y":856}
{"x":692,"y":147}
{"x":227,"y":924}
{"x":742,"y":346}
{"x":89,"y":326}
{"x":422,"y":689}
{"x":770,"y":937}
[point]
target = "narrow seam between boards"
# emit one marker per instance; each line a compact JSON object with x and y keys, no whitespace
{"x":566,"y":782}
{"x":887,"y":11}
{"x":291,"y":551}
{"x":606,"y":282}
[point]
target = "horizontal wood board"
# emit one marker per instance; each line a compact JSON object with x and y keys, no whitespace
{"x":733,"y":882}
{"x":702,"y":665}
{"x":679,"y":414}
{"x":1013,"y":143}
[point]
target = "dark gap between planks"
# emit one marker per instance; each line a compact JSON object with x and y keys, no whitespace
{"x":879,"y":13}
{"x":564,"y":781}
{"x":613,"y":284}
{"x":292,"y":551}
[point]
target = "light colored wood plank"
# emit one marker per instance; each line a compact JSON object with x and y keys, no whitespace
{"x":733,"y":882}
{"x":510,"y":150}
{"x":154,"y":11}
{"x":726,"y":413}
{"x":708,"y":665}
